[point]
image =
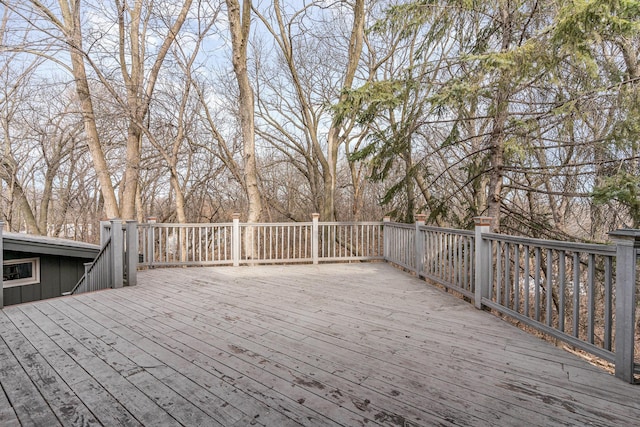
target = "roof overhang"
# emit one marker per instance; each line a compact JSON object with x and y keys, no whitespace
{"x":18,"y":242}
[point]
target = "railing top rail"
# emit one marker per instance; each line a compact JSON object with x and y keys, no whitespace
{"x":185,"y":225}
{"x":448,"y":230}
{"x":276,"y":224}
{"x":350,"y":223}
{"x":400,"y":225}
{"x":594,"y":248}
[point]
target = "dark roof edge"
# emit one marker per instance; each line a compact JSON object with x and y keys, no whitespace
{"x":48,"y":245}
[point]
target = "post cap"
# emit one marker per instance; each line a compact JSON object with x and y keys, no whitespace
{"x":387,"y":218}
{"x":235,"y":215}
{"x":630,"y":235}
{"x":152,"y":219}
{"x":482,"y":221}
{"x":315,"y":215}
{"x":421,"y":217}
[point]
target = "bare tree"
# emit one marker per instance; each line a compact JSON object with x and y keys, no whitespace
{"x":240,"y":26}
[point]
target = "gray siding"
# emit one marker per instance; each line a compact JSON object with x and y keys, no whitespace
{"x":58,"y":274}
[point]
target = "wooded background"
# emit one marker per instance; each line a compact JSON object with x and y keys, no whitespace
{"x":527,"y":111}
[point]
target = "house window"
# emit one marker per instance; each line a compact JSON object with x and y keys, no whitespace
{"x":20,"y":272}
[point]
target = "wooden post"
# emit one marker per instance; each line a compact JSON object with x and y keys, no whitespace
{"x":132,"y":253}
{"x":419,"y":244}
{"x":386,"y":240}
{"x":315,"y":237}
{"x":105,"y":225}
{"x":1,"y":264}
{"x":235,"y":240}
{"x":87,"y":283}
{"x":151,"y":238}
{"x":482,"y":259}
{"x":627,"y":246}
{"x":117,"y":253}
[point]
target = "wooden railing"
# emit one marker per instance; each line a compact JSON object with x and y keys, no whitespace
{"x":563,"y":289}
{"x":116,"y":264}
{"x":582,"y":294}
{"x":238,"y":243}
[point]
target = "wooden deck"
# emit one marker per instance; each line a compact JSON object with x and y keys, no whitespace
{"x":350,"y":344}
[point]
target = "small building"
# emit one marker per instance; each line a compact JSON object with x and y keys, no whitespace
{"x":37,"y":267}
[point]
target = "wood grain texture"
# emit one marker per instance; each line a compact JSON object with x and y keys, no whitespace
{"x":346,"y":344}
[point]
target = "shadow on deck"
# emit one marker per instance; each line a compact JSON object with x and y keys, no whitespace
{"x":347,"y":344}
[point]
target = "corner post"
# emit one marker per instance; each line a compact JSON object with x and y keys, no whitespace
{"x":117,"y":253}
{"x":132,"y":253}
{"x":482,"y":259}
{"x":419,"y":244}
{"x":386,"y":239}
{"x":315,"y":237}
{"x":235,"y":240}
{"x":627,"y":244}
{"x":1,"y":263}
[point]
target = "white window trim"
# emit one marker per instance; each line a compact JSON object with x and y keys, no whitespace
{"x":33,"y":280}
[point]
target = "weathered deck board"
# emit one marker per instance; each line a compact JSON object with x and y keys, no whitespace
{"x":356,"y":344}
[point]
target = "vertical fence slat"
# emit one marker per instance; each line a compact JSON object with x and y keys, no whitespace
{"x":591,"y":298}
{"x":561,"y":289}
{"x":576,"y":294}
{"x":549,"y":287}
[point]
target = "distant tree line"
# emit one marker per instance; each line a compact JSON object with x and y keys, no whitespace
{"x":527,"y":111}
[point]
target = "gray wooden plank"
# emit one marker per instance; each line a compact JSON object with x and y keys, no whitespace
{"x":67,"y":407}
{"x":137,"y":365}
{"x":145,"y":410}
{"x":103,"y":405}
{"x":226,"y":350}
{"x":312,"y":345}
{"x":131,"y":344}
{"x":501,"y":361}
{"x":211,"y":380}
{"x":270,"y":388}
{"x":220,"y":337}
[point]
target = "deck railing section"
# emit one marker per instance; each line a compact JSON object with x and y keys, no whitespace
{"x":97,"y":274}
{"x":582,"y":294}
{"x":116,"y":263}
{"x":259,"y":243}
{"x":276,"y":243}
{"x":564,"y":289}
{"x":400,"y":244}
{"x":348,"y":241}
{"x":165,"y":245}
{"x":448,"y":258}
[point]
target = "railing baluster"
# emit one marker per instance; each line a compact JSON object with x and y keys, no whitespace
{"x":527,"y":278}
{"x":507,"y":274}
{"x":537,"y":283}
{"x":561,"y":288}
{"x":608,"y":285}
{"x":498,"y":271}
{"x":516,"y":277}
{"x":549,"y":288}
{"x":591,"y":298}
{"x":576,"y":294}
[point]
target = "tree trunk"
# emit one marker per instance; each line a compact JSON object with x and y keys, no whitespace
{"x":72,"y":31}
{"x":334,"y":139}
{"x":239,"y":25}
{"x":496,"y":138}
